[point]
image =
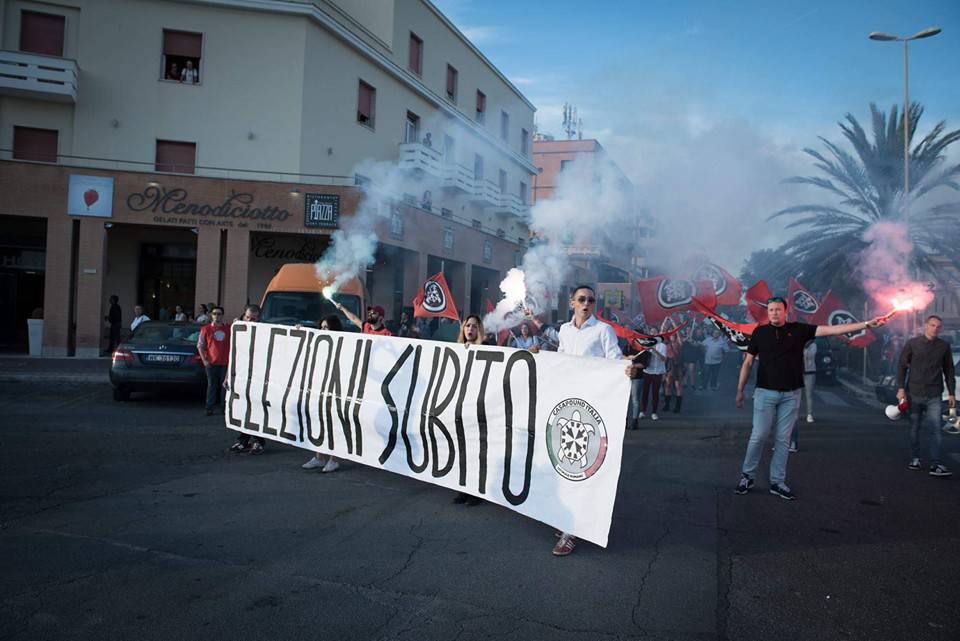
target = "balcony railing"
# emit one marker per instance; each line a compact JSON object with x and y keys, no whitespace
{"x":458,"y":178}
{"x":511,"y":205}
{"x":30,"y":75}
{"x":485,"y":193}
{"x":418,"y":157}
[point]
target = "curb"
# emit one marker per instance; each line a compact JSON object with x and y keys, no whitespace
{"x":54,"y":378}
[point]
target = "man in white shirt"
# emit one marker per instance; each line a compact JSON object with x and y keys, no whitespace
{"x":584,"y":335}
{"x":138,"y":317}
{"x":652,"y":378}
{"x":715,"y":346}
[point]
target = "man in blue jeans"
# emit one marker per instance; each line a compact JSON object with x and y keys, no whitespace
{"x":928,"y":360}
{"x":779,"y":348}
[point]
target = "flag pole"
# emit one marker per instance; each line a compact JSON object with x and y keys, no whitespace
{"x":865,"y":346}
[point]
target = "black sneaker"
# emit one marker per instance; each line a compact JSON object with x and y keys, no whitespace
{"x":744,"y":485}
{"x":914,"y":465}
{"x":782,"y":491}
{"x":939,"y":470}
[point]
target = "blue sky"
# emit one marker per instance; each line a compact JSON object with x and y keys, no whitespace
{"x":678,"y":90}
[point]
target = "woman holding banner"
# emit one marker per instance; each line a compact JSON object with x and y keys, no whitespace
{"x":331,"y":324}
{"x":471,"y":333}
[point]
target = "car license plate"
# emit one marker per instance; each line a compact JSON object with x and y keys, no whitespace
{"x":162,"y":358}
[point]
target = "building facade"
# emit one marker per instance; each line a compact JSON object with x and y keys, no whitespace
{"x":178,"y":152}
{"x":613,"y":262}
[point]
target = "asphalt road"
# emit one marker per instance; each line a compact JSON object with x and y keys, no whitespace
{"x":130,"y":521}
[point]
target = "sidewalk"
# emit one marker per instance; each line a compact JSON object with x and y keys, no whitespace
{"x":24,"y":369}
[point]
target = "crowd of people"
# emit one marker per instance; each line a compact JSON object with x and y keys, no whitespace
{"x":689,"y":359}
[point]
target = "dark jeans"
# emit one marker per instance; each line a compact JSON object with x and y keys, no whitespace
{"x":925,"y":411}
{"x":713,"y":372}
{"x":215,"y":376}
{"x":651,"y":382}
{"x":636,"y":386}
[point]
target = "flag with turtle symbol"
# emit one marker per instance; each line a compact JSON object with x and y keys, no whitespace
{"x":434,"y":300}
{"x":833,"y":311}
{"x":802,"y":304}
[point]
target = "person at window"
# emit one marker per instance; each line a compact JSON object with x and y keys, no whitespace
{"x":138,"y":317}
{"x":331,"y":324}
{"x":173,"y":73}
{"x":428,"y":140}
{"x":190,"y":74}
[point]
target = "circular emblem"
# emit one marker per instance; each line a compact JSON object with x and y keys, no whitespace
{"x":675,"y":293}
{"x":433,"y":298}
{"x":576,"y":439}
{"x":842,"y":317}
{"x":804,"y":302}
{"x":711,"y":273}
{"x":219,"y":335}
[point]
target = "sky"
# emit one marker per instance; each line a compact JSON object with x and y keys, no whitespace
{"x":707,"y":106}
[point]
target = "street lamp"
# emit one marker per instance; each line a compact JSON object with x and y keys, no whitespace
{"x":887,"y":37}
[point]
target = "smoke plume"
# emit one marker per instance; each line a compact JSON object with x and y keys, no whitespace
{"x":884,"y":267}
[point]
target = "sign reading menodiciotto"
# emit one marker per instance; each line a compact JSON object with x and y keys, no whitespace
{"x":321,"y":210}
{"x":90,"y":196}
{"x":533,"y":433}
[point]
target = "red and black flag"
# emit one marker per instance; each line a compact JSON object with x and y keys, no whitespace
{"x":756,"y":299}
{"x":834,"y":312}
{"x":725,"y":284}
{"x":434,"y":300}
{"x":802,"y":304}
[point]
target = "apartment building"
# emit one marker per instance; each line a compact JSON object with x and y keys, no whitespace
{"x":179,"y":151}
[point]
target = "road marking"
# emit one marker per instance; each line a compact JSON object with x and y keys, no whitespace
{"x":832,"y":399}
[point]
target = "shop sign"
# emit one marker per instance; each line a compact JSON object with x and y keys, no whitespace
{"x":161,"y":200}
{"x":22,"y":259}
{"x":273,"y":248}
{"x":321,"y":210}
{"x":90,"y":196}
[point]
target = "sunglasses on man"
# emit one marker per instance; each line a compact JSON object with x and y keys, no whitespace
{"x":586,"y":299}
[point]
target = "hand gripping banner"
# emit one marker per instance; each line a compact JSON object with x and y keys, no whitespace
{"x":541,"y":434}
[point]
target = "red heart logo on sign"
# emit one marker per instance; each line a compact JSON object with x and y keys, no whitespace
{"x":90,"y":196}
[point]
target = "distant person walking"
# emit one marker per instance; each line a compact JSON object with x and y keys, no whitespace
{"x":714,"y":347}
{"x":652,"y":379}
{"x":924,"y":364}
{"x":114,"y":318}
{"x":779,"y":348}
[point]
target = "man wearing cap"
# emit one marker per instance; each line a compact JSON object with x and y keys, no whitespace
{"x":776,"y":400}
{"x":374,"y":324}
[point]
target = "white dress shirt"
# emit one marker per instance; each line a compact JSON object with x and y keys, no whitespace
{"x":136,"y":321}
{"x":593,"y":338}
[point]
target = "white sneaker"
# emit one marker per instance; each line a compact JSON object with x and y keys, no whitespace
{"x":331,"y":466}
{"x":809,"y":418}
{"x":642,"y":415}
{"x":654,"y":417}
{"x":312,"y":464}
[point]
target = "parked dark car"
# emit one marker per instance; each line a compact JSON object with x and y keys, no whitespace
{"x":826,"y":363}
{"x":158,"y":355}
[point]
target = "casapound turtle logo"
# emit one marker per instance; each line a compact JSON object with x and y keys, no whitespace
{"x":842,"y":317}
{"x":805,"y":303}
{"x":434,"y":301}
{"x":576,"y":439}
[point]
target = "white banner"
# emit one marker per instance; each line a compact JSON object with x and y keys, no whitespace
{"x":541,"y":434}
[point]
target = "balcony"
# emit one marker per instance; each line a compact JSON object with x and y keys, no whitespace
{"x":458,"y":178}
{"x":485,"y":193}
{"x":30,"y":75}
{"x":420,"y":158}
{"x":511,"y":205}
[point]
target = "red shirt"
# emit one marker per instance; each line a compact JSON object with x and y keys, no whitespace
{"x":215,"y":341}
{"x":383,"y":331}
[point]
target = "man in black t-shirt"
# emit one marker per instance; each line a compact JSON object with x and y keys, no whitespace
{"x":776,"y":400}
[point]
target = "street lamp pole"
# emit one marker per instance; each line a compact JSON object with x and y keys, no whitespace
{"x":886,"y":37}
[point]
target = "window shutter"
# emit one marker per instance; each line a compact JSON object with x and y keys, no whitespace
{"x":176,"y":157}
{"x":39,"y":145}
{"x":365,"y":102}
{"x":182,"y":43}
{"x":416,"y":51}
{"x":451,"y":81}
{"x":42,"y":33}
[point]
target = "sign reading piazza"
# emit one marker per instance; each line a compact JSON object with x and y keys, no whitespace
{"x":539,"y":434}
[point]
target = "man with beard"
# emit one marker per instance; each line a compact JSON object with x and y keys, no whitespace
{"x":374,"y":324}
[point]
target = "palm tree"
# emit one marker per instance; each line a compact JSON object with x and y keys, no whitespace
{"x":867,"y":187}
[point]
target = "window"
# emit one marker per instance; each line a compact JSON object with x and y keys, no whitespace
{"x":481,"y":107}
{"x":176,"y":157}
{"x":415,"y":63}
{"x":366,"y":104}
{"x":476,"y":224}
{"x":505,"y":126}
{"x":449,"y":150}
{"x":503,"y":182}
{"x":446,"y":213}
{"x":448,"y":238}
{"x":412,"y":130}
{"x":524,"y":142}
{"x":524,"y":193}
{"x":477,"y":167}
{"x":501,"y":233}
{"x":487,"y":251}
{"x":565,"y":164}
{"x":181,"y":56}
{"x":451,"y":84}
{"x":42,"y":33}
{"x":39,"y":145}
{"x":396,"y":221}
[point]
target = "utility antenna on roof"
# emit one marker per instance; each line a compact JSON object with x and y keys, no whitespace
{"x":572,"y":123}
